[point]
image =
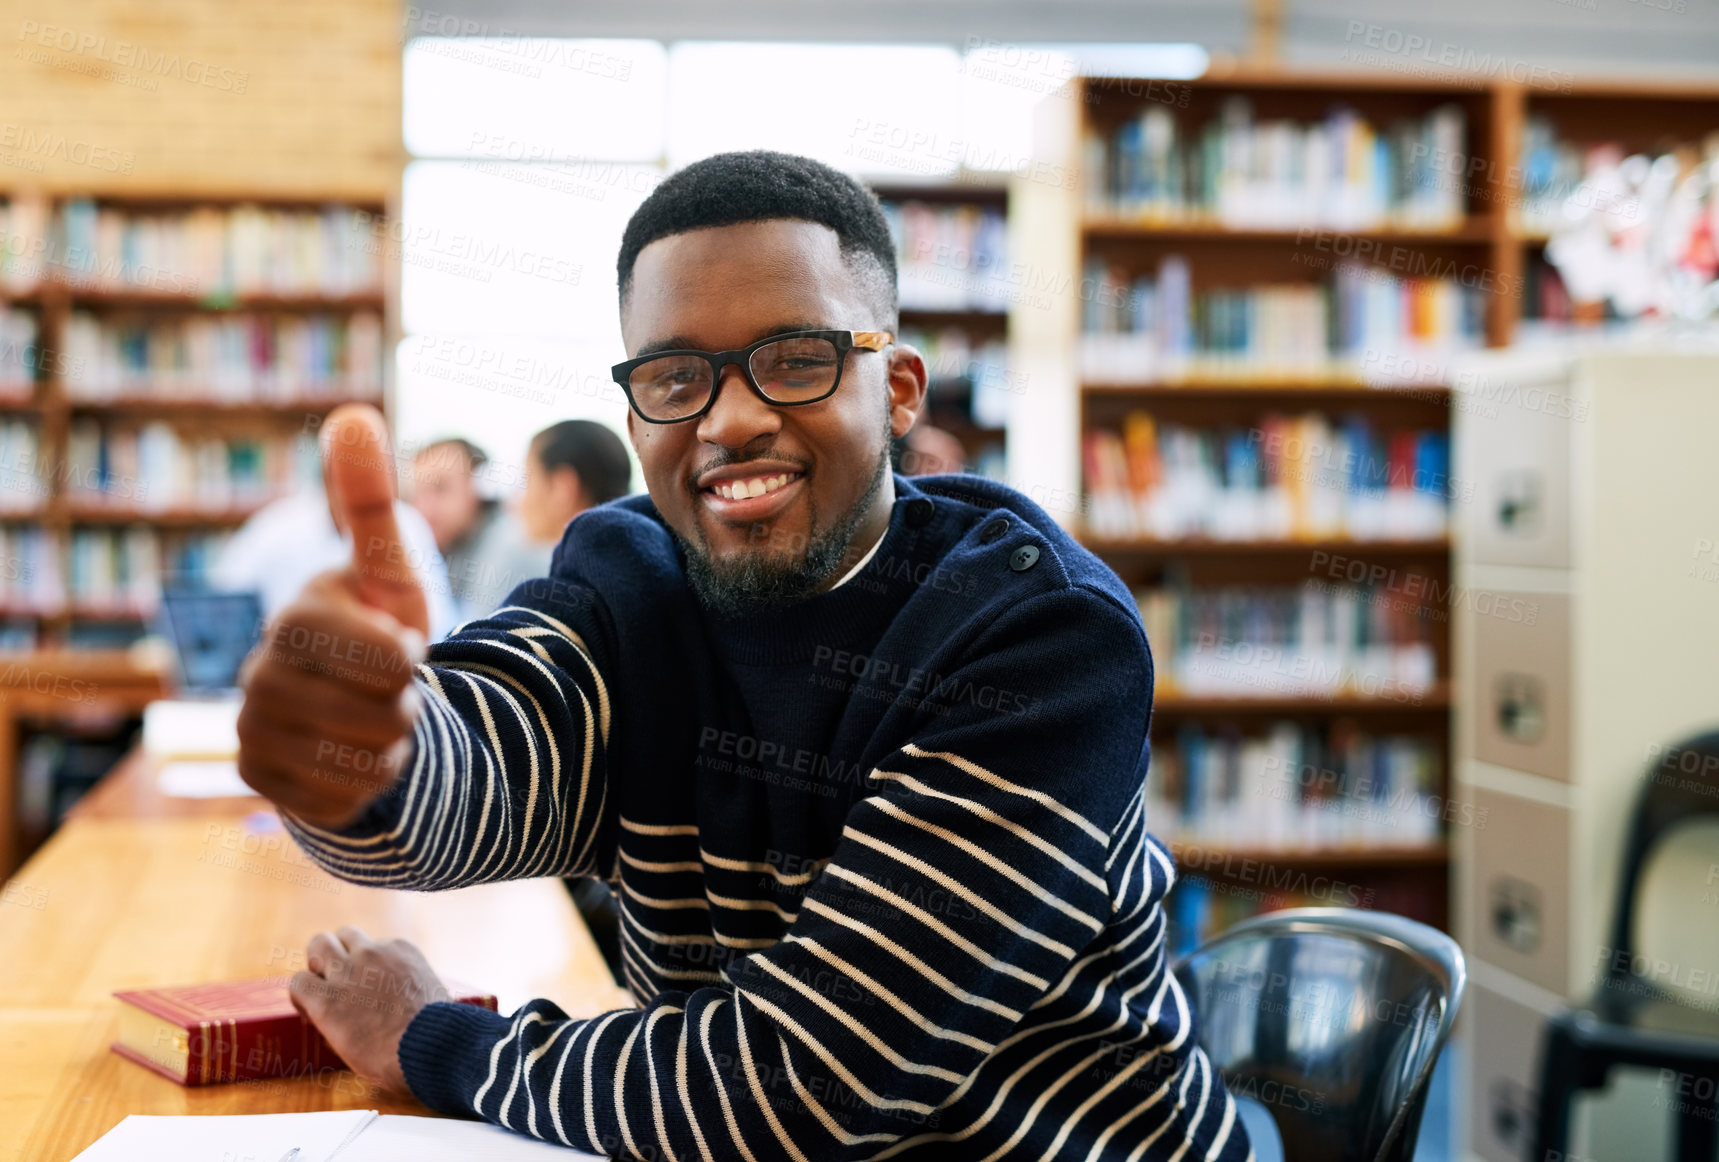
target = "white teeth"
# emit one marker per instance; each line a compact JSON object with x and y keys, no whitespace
{"x":746,"y":489}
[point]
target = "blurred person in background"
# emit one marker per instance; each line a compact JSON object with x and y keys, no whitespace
{"x":927,"y":451}
{"x":485,"y":545}
{"x":288,"y":541}
{"x":444,"y":489}
{"x":574,"y":465}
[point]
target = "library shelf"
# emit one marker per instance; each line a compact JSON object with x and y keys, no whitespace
{"x":223,"y":303}
{"x":105,"y":514}
{"x":1209,"y":547}
{"x":1302,"y":386}
{"x":1435,"y":699}
{"x":1216,"y":857}
{"x":1116,"y":226}
{"x":975,"y":318}
{"x":192,"y":404}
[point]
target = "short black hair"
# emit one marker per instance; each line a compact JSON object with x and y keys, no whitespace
{"x":758,"y":185}
{"x":596,"y":455}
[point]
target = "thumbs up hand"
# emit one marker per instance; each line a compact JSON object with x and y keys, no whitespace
{"x":326,"y":725}
{"x":356,"y":462}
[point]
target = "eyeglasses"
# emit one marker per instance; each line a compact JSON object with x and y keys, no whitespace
{"x":671,"y":387}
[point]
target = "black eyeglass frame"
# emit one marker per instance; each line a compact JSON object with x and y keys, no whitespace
{"x":844,"y":342}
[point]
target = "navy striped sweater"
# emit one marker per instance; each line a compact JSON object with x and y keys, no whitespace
{"x":885,"y":886}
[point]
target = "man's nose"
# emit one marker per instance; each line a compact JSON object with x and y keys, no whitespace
{"x":737,"y":416}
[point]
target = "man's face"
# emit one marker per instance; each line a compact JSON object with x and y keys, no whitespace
{"x":726,"y":287}
{"x":443,"y":490}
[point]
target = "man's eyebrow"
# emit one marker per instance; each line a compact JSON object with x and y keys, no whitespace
{"x":682,"y":343}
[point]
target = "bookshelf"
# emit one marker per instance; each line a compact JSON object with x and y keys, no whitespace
{"x":1271,"y":249}
{"x":179,"y":354}
{"x":1556,"y":135}
{"x":1230,"y":301}
{"x":952,"y":260}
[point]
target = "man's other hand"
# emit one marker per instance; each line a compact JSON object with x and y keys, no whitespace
{"x":361,"y":994}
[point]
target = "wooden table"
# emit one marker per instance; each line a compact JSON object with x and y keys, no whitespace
{"x":137,"y":890}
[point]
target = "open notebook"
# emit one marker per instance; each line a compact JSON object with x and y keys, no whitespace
{"x":342,"y":1136}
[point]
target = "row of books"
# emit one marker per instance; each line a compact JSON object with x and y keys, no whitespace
{"x":239,"y":358}
{"x":1320,"y":639}
{"x":20,"y":355}
{"x":956,"y":364}
{"x":154,"y":468}
{"x":1155,"y":326}
{"x":23,"y":487}
{"x":1341,"y":172}
{"x":1302,"y":476}
{"x":23,"y":241}
{"x":215,"y":250}
{"x":106,"y":572}
{"x":949,"y":257}
{"x":30,"y":573}
{"x":1296,"y":786}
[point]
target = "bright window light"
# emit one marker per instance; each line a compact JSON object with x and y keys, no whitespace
{"x":1174,"y":62}
{"x":1001,"y":82}
{"x":515,"y":249}
{"x":868,"y":109}
{"x":517,"y":99}
{"x":498,"y":391}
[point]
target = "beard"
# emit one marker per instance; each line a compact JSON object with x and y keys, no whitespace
{"x":757,"y":581}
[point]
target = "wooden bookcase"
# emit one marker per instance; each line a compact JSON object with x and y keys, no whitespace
{"x":1056,"y":227}
{"x":950,"y":397}
{"x":115,"y":682}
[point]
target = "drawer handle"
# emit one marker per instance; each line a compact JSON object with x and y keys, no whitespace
{"x":1519,"y":707}
{"x":1519,"y":502}
{"x":1516,"y":913}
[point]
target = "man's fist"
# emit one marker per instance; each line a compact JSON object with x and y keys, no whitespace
{"x":329,"y":701}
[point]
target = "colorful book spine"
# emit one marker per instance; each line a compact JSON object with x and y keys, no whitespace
{"x":957,"y":365}
{"x":239,"y":358}
{"x":21,"y":356}
{"x":1341,"y":172}
{"x":218,"y":251}
{"x":1318,"y":640}
{"x":1143,"y":329}
{"x":950,"y":257}
{"x":153,"y":467}
{"x":1297,"y":787}
{"x":1300,"y":477}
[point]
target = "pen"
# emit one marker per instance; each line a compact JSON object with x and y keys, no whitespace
{"x":290,"y":1155}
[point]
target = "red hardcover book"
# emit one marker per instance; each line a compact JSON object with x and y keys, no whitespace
{"x":237,"y":1030}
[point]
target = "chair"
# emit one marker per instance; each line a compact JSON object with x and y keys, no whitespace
{"x":1630,"y":1020}
{"x":1333,"y":1018}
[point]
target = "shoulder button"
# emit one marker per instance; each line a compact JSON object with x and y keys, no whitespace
{"x":994,"y":530}
{"x":1024,"y":558}
{"x":919,"y":512}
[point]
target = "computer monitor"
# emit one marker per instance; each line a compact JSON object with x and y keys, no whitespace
{"x":211,"y":633}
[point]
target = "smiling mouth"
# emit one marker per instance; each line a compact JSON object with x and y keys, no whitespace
{"x":747,"y":499}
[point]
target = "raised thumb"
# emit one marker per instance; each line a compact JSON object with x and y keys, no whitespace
{"x":358,"y":465}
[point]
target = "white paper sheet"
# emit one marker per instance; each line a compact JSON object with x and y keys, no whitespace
{"x":230,"y":1137}
{"x":189,"y":779}
{"x":400,"y":1138}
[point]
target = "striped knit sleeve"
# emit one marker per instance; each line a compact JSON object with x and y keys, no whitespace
{"x":970,"y":888}
{"x":506,"y":774}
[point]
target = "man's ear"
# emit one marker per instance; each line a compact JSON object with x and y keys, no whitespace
{"x":907,"y":387}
